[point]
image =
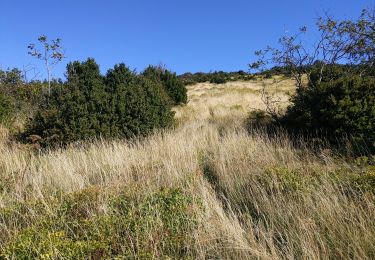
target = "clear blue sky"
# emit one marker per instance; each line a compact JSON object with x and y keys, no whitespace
{"x":186,"y":35}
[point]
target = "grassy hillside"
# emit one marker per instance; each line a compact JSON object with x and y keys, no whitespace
{"x":206,"y":189}
{"x":232,"y":98}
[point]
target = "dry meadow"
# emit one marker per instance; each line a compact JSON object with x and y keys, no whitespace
{"x":207,"y":189}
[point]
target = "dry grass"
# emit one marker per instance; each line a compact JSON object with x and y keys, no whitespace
{"x":236,"y":98}
{"x":258,"y":197}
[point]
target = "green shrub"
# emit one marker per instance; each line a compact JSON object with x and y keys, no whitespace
{"x":365,"y":181}
{"x":341,"y":108}
{"x":11,"y":102}
{"x":218,"y":78}
{"x":268,"y":75}
{"x":174,"y":86}
{"x":19,"y":99}
{"x":137,"y":104}
{"x":6,"y":108}
{"x":258,"y":118}
{"x":74,"y":110}
{"x":89,"y":105}
{"x":191,"y":79}
{"x":11,"y":77}
{"x":28,"y":96}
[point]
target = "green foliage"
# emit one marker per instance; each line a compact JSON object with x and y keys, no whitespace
{"x":340,"y":108}
{"x":174,"y":87}
{"x":9,"y":82}
{"x":339,"y":98}
{"x":89,"y":105}
{"x":6,"y":108}
{"x":138,"y":105}
{"x":29,"y":95}
{"x":73,"y":110}
{"x":191,"y":79}
{"x":292,"y":181}
{"x":19,"y":99}
{"x":329,"y":74}
{"x":159,"y":224}
{"x":355,"y":183}
{"x":258,"y":118}
{"x":276,"y":71}
{"x":219,"y":77}
{"x":11,"y":77}
{"x":365,"y":181}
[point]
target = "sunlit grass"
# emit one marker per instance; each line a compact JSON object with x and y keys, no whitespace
{"x":206,"y":189}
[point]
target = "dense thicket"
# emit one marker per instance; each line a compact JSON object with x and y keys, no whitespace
{"x":18,"y":99}
{"x":174,"y":87}
{"x":341,"y":108}
{"x":89,"y":105}
{"x":8,"y":84}
{"x":6,"y":107}
{"x":137,"y":104}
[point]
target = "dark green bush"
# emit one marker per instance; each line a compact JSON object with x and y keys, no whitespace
{"x":174,"y":87}
{"x":23,"y":97}
{"x":138,"y":105}
{"x":218,"y":78}
{"x":74,"y":110}
{"x":6,"y":108}
{"x":330,"y":73}
{"x":191,"y":79}
{"x":89,"y":105}
{"x":258,"y":119}
{"x":10,"y":81}
{"x":343,"y":107}
{"x":11,"y":77}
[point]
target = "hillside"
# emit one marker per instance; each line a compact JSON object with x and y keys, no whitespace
{"x":233,"y":98}
{"x":208,"y":188}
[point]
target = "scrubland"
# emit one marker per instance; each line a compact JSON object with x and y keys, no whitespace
{"x":210,"y":188}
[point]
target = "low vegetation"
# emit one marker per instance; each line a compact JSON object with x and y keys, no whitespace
{"x":233,"y":171}
{"x":207,"y":189}
{"x":217,"y":77}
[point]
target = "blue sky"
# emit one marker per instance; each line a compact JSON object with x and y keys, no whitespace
{"x":194,"y":35}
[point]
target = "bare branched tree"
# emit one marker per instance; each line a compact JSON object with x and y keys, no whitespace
{"x":51,"y":54}
{"x":30,"y":69}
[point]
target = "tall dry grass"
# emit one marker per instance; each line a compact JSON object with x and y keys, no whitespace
{"x":235,"y":98}
{"x":259,"y":197}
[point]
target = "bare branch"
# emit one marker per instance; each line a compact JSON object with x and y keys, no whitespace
{"x":51,"y":55}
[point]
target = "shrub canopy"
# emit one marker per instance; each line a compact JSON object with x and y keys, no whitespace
{"x":343,"y":107}
{"x":6,"y":108}
{"x":88,"y":105}
{"x":174,"y":86}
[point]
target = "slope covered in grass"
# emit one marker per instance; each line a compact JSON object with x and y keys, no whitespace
{"x":206,"y":189}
